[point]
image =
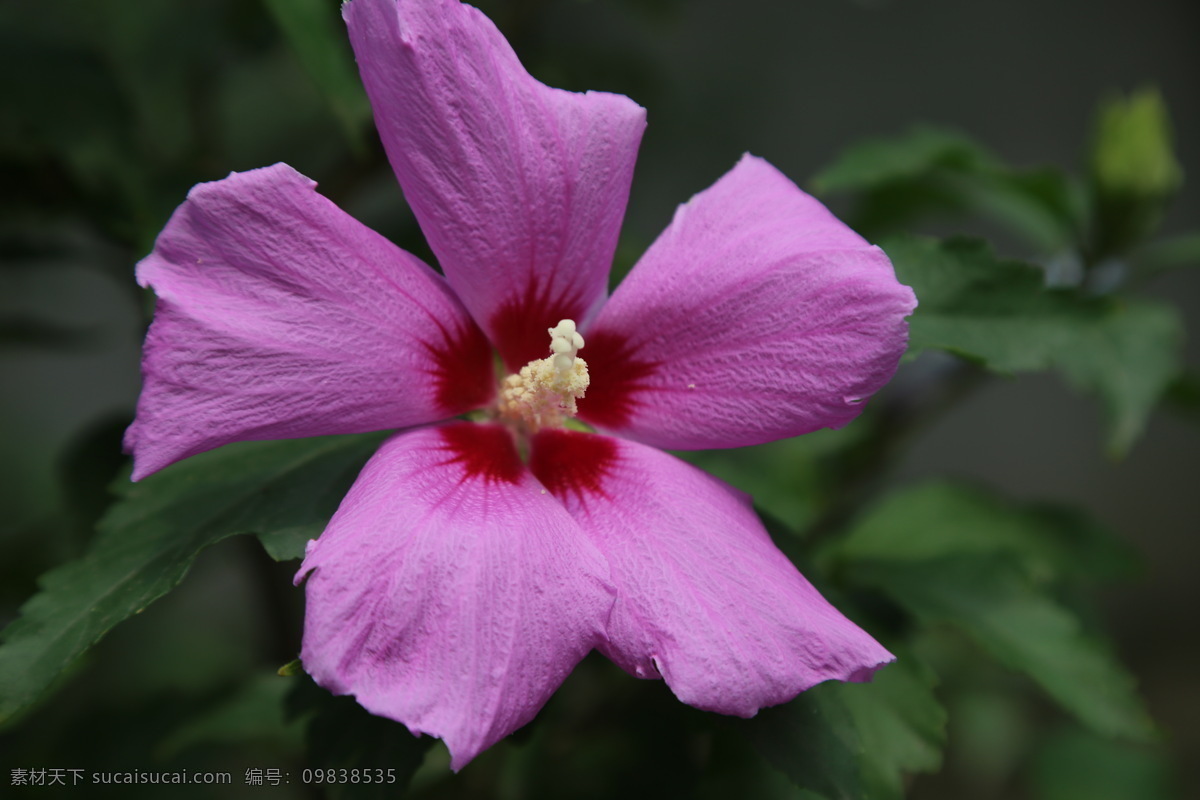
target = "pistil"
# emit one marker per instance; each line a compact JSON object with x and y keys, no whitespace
{"x":543,"y":393}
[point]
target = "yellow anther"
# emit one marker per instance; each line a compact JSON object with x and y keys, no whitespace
{"x":544,"y":392}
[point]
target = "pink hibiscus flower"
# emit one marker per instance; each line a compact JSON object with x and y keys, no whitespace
{"x":474,"y":563}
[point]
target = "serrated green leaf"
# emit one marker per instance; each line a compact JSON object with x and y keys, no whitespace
{"x":312,"y":29}
{"x":1000,"y":314}
{"x":149,"y":538}
{"x":969,"y":565}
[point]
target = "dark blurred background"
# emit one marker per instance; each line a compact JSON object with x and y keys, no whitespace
{"x":110,"y":111}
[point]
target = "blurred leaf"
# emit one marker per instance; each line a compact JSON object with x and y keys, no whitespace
{"x":51,"y":161}
{"x":874,"y":162}
{"x":1167,"y":254}
{"x":994,"y":716}
{"x":813,"y":741}
{"x":149,"y":538}
{"x":1000,"y":314}
{"x":1042,"y":205}
{"x":898,"y":180}
{"x":341,"y":734}
{"x":900,"y":723}
{"x":42,"y":116}
{"x":160,"y":53}
{"x":287,"y":544}
{"x":293,"y":667}
{"x":98,"y":97}
{"x":1183,"y":396}
{"x":950,"y":556}
{"x":1077,"y":765}
{"x":855,"y":740}
{"x":1001,"y":609}
{"x":789,"y":478}
{"x":313,"y":29}
{"x":1133,"y":170}
{"x":939,"y":519}
{"x":252,"y":714}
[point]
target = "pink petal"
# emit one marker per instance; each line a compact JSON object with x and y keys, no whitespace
{"x":279,"y":316}
{"x":704,"y":598}
{"x":520,"y":188}
{"x":755,"y":316}
{"x":450,"y":592}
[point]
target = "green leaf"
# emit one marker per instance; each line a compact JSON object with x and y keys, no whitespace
{"x":287,"y":543}
{"x":1000,"y":314}
{"x":856,"y":740}
{"x":149,"y":538}
{"x":1183,"y":396}
{"x":313,"y":29}
{"x":252,"y":714}
{"x":875,"y":162}
{"x":342,"y":735}
{"x":954,"y":556}
{"x":1165,"y":255}
{"x":1077,"y":765}
{"x":928,"y":171}
{"x":900,"y":723}
{"x":932,"y":520}
{"x":811,"y":740}
{"x":1042,"y":205}
{"x":789,"y":478}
